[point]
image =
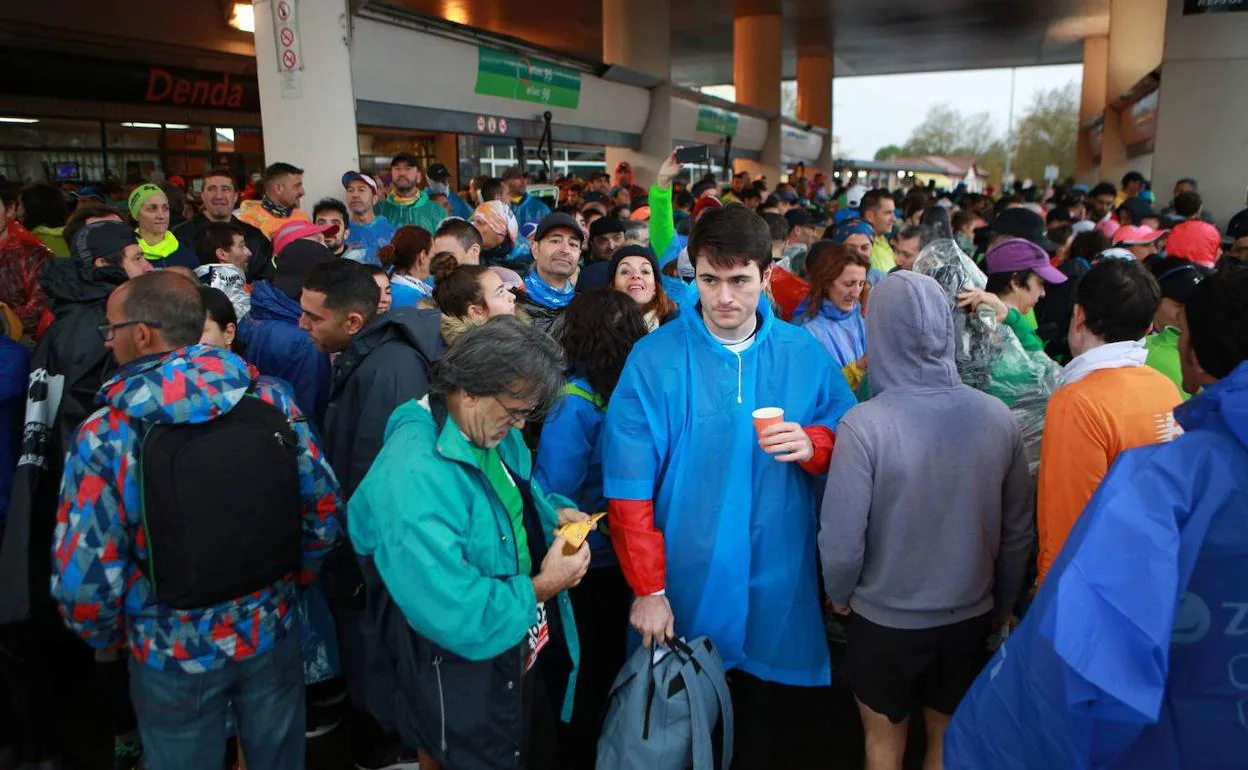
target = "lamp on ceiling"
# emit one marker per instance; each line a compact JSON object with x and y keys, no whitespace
{"x":242,"y":15}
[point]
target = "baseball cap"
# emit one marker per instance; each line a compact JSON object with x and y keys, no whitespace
{"x":1195,"y":241}
{"x":798,"y":218}
{"x":1139,"y":209}
{"x":438,"y":172}
{"x":554,"y":221}
{"x":1238,"y":226}
{"x":294,"y":231}
{"x":640,"y":214}
{"x":405,"y":157}
{"x":355,"y":176}
{"x":1176,"y":277}
{"x":294,"y":262}
{"x":103,"y":240}
{"x":1134,"y":235}
{"x":514,"y":172}
{"x":1023,"y":223}
{"x":1021,"y":254}
{"x":1116,"y":252}
{"x":704,"y":203}
{"x":605,"y":226}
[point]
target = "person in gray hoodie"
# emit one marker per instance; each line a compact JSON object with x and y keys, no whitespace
{"x":926,"y":524}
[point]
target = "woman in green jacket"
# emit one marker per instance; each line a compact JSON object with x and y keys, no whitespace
{"x":453,"y":532}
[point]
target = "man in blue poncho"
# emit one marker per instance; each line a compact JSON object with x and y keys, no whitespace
{"x":715,"y":527}
{"x":1135,"y":652}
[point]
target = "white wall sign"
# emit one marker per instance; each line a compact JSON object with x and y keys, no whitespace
{"x":289,"y":50}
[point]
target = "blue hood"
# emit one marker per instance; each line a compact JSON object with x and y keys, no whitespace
{"x":188,"y":385}
{"x":268,"y":303}
{"x":1225,"y":402}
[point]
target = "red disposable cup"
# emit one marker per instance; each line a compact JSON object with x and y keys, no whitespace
{"x":766,"y":417}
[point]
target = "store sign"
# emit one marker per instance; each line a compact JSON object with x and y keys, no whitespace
{"x":526,"y":79}
{"x":713,"y":120}
{"x":1191,"y":7}
{"x":40,"y":74}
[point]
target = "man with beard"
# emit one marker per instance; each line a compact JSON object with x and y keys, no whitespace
{"x":219,"y":197}
{"x":283,"y":189}
{"x":407,"y":204}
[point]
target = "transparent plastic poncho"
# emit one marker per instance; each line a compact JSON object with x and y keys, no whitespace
{"x":989,"y":356}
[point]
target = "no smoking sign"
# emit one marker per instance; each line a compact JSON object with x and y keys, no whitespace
{"x":283,"y":10}
{"x":289,"y":59}
{"x":288,"y":36}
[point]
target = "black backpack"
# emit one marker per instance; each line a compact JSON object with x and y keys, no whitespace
{"x":213,"y":536}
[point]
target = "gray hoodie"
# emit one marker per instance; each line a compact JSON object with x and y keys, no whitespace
{"x":927,"y":516}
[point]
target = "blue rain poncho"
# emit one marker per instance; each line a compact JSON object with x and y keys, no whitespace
{"x":739,"y":526}
{"x":1135,"y":652}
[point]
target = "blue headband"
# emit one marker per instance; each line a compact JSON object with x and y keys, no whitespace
{"x":853,"y":227}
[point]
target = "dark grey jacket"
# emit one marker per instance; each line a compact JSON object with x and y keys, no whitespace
{"x":386,"y":365}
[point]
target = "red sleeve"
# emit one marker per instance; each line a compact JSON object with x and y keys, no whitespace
{"x":639,"y":545}
{"x":823,"y":439}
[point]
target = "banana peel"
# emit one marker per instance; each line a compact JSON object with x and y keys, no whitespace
{"x":574,"y":533}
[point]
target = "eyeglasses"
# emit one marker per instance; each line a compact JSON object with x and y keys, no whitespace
{"x":109,"y":331}
{"x":516,"y":416}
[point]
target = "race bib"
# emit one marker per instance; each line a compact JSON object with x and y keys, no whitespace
{"x":539,"y":637}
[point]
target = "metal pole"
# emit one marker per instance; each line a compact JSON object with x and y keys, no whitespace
{"x":1009,"y":132}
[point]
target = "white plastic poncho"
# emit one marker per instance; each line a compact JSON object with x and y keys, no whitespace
{"x":988,"y":355}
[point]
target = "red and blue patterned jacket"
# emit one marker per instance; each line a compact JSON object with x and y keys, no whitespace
{"x":100,"y":540}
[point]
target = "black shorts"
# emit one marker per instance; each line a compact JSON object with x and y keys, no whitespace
{"x":894,"y":670}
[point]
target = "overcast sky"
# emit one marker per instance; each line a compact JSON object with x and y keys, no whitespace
{"x":871,"y":112}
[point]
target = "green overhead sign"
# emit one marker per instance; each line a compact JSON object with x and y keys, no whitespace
{"x":511,"y":76}
{"x":713,"y":120}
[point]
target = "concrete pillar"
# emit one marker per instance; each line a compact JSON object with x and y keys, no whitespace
{"x":309,"y":120}
{"x":637,"y":34}
{"x":756,"y":42}
{"x":1092,"y":104}
{"x":814,"y":99}
{"x":1136,"y":36}
{"x":1202,"y":115}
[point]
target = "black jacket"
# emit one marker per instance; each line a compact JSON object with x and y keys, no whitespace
{"x":387,"y":364}
{"x":549,"y":320}
{"x":1054,"y":311}
{"x":260,"y":247}
{"x":67,"y":369}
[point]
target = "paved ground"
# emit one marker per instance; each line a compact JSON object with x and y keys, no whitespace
{"x":827,"y":730}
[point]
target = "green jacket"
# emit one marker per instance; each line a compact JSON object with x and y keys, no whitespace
{"x":443,"y":543}
{"x":1026,"y":332}
{"x":53,"y":238}
{"x":1163,"y":355}
{"x":422,"y":213}
{"x":662,"y":224}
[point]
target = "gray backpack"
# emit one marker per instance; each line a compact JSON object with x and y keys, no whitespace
{"x":662,"y":716}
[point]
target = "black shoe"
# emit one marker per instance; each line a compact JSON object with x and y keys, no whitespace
{"x":388,"y":758}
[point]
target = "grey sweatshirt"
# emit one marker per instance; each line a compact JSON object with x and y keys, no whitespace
{"x":927,"y":518}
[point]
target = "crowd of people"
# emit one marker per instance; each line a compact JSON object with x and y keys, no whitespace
{"x":288,"y":470}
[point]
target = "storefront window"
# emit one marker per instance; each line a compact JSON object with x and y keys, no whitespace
{"x":66,"y":134}
{"x":378,"y":146}
{"x":133,"y":135}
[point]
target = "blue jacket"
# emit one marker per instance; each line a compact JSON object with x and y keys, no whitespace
{"x":459,"y":207}
{"x":14,"y":366}
{"x":364,"y":241}
{"x":279,"y":348}
{"x":843,"y":334}
{"x":569,"y":457}
{"x":1135,"y":652}
{"x":739,"y":526}
{"x":529,"y":209}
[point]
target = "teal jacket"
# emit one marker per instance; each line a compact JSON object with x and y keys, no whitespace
{"x":443,"y":543}
{"x":422,"y":212}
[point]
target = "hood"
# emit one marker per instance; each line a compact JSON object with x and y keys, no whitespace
{"x":185,"y":386}
{"x":268,"y":303}
{"x":419,"y":329}
{"x":453,"y":326}
{"x":910,"y":334}
{"x":74,"y":281}
{"x":1225,"y":402}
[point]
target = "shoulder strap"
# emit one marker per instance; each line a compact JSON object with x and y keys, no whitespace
{"x":572,"y":389}
{"x":713,"y":673}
